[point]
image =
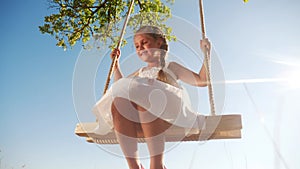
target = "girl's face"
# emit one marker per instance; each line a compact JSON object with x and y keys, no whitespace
{"x":147,"y":47}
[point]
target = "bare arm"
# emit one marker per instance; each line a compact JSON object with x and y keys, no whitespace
{"x":189,"y":76}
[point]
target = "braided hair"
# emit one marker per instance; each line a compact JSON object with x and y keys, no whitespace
{"x":156,"y":33}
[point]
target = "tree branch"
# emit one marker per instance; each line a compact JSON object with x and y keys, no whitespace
{"x":140,"y":4}
{"x":102,"y":5}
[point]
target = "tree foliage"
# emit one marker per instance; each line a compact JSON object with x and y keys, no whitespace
{"x":79,"y":20}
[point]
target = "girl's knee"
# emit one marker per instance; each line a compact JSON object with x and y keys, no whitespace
{"x":114,"y":108}
{"x":123,"y":108}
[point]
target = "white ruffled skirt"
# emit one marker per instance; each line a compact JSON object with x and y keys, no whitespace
{"x":160,"y":99}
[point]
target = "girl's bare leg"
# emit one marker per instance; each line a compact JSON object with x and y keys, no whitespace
{"x":126,"y":130}
{"x":154,"y":134}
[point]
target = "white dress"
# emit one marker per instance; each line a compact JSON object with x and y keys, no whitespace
{"x":163,"y":100}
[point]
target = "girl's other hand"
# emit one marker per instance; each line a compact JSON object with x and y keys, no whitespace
{"x":115,"y":53}
{"x":205,"y":45}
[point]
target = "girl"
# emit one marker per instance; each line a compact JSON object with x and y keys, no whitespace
{"x":149,"y":100}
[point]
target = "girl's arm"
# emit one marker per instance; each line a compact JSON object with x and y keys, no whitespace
{"x":117,"y":71}
{"x":189,"y":76}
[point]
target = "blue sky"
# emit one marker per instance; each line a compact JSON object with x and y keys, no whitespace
{"x":257,"y":40}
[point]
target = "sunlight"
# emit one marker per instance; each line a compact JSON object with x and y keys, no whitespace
{"x":292,"y":79}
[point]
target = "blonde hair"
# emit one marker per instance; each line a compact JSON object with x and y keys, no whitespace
{"x":156,"y":33}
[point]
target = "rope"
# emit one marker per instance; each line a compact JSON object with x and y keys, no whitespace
{"x":114,"y":61}
{"x":202,"y":19}
{"x":207,"y":63}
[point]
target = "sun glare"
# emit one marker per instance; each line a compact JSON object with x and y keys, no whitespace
{"x":293,"y":79}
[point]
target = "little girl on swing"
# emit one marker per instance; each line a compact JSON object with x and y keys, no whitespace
{"x":149,"y":100}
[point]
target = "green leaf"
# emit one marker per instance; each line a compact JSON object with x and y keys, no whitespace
{"x":77,"y":20}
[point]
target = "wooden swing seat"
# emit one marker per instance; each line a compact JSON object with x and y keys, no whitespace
{"x":215,"y":127}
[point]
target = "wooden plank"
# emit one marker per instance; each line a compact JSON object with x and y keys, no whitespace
{"x":216,"y":127}
{"x":85,"y":129}
{"x":223,"y":122}
{"x":233,"y":134}
{"x":213,"y":123}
